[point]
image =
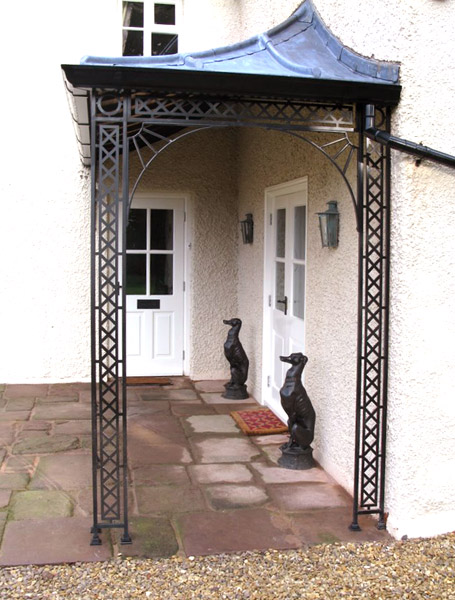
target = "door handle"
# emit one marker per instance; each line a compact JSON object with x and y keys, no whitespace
{"x":285,"y":302}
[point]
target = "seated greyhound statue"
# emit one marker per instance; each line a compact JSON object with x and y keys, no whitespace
{"x":297,"y":452}
{"x":238,"y":360}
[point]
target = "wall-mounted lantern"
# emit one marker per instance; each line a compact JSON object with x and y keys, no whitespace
{"x":247,"y":226}
{"x":329,"y":224}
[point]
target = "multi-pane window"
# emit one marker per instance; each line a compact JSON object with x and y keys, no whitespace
{"x":150,"y":28}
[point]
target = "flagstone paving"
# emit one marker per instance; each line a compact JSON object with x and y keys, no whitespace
{"x":197,"y":484}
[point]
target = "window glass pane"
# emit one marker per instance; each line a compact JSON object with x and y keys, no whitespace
{"x":164,"y":14}
{"x":280,"y":232}
{"x":136,"y":230}
{"x":162,"y":229}
{"x":279,"y":286}
{"x":299,"y":232}
{"x":299,"y":291}
{"x":161,"y":274}
{"x":135,"y":274}
{"x":133,"y":14}
{"x":133,"y":43}
{"x":164,"y":43}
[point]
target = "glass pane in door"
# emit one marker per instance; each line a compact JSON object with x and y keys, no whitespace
{"x":280,"y":232}
{"x":299,"y":232}
{"x":279,"y":286}
{"x":136,"y":274}
{"x":136,"y":230}
{"x":299,"y":291}
{"x":161,"y":229}
{"x":161,"y":274}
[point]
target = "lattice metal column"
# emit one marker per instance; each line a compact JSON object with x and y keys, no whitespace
{"x":374,"y":260}
{"x":108,"y":317}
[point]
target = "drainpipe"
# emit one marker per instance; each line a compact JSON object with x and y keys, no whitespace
{"x":386,"y":139}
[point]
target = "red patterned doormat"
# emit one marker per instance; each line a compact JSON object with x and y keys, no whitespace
{"x":258,"y":421}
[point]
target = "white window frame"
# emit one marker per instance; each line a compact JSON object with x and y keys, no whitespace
{"x":149,"y":23}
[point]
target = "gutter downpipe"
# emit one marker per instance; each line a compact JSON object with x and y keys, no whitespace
{"x":386,"y":139}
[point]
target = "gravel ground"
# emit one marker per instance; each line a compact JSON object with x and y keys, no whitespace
{"x":410,"y":569}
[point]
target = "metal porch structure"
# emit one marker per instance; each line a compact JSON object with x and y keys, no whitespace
{"x":296,"y":78}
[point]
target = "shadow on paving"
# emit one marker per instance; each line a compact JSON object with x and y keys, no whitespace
{"x":197,"y":484}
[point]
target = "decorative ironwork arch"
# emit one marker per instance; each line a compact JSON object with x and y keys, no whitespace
{"x":148,"y":123}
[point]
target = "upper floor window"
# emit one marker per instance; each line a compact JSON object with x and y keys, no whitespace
{"x":149,"y":27}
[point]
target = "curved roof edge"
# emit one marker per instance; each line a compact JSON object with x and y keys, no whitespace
{"x":302,"y":45}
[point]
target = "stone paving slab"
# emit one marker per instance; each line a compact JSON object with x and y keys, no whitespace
{"x":57,"y":399}
{"x":331,"y":525}
{"x":224,"y":473}
{"x":270,"y":474}
{"x":169,"y":394}
{"x":223,"y":449}
{"x":180,"y":409}
{"x":217,"y":398}
{"x":157,"y":407}
{"x":24,"y":390}
{"x":273,"y":453}
{"x":51,"y":541}
{"x":268,"y":440}
{"x":295,"y":497}
{"x":39,"y":504}
{"x":140,"y":455}
{"x":152,"y":537}
{"x":7,"y":432}
{"x":14,"y":415}
{"x":82,"y":427}
{"x":235,"y":531}
{"x":65,"y":472}
{"x":19,"y":464}
{"x":169,"y":499}
{"x":35,"y":426}
{"x":64,"y":389}
{"x":210,"y":424}
{"x":210,"y":386}
{"x":160,"y":474}
{"x":13,"y":481}
{"x":159,"y":427}
{"x":228,"y":496}
{"x":63,"y":411}
{"x":5,"y":496}
{"x":19,"y":404}
{"x":45,"y":444}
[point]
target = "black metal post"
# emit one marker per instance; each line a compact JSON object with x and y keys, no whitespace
{"x":374,"y":264}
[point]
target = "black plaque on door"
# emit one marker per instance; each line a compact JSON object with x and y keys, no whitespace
{"x":148,"y":303}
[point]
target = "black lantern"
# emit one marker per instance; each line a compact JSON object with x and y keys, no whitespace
{"x":329,"y":224}
{"x":247,"y":229}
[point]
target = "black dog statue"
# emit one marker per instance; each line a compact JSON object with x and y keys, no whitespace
{"x":238,"y":360}
{"x":297,"y":452}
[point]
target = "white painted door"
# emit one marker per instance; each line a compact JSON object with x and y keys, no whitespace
{"x":154,"y":287}
{"x":285,"y":272}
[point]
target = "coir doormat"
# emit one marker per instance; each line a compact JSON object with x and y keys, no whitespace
{"x":258,"y":421}
{"x":148,"y":381}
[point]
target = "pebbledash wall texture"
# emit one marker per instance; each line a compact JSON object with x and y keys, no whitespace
{"x":45,"y":240}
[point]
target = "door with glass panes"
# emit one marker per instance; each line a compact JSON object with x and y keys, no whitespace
{"x":285,"y":272}
{"x":154,"y":287}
